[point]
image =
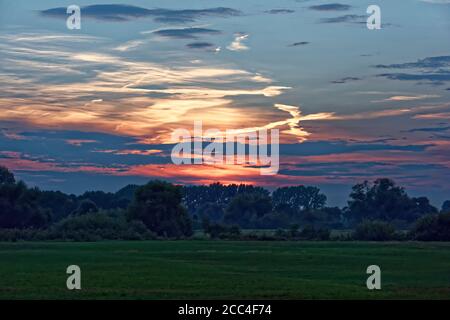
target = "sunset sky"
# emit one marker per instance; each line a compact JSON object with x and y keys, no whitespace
{"x":95,"y":108}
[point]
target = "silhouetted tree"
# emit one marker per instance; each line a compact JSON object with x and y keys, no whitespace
{"x":85,"y":207}
{"x":6,"y":176}
{"x":60,"y":204}
{"x":434,"y":227}
{"x":158,"y":205}
{"x":127,"y":192}
{"x":446,"y":207}
{"x":19,"y":207}
{"x":106,"y":200}
{"x":196,"y":196}
{"x":384,"y":200}
{"x":299,"y":198}
{"x":422,"y":206}
{"x":213,"y":211}
{"x":246,"y":208}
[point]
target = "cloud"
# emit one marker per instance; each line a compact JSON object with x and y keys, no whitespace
{"x":237,"y":44}
{"x":409,"y":98}
{"x":319,"y":148}
{"x":345,"y":80}
{"x":433,"y":69}
{"x":292,"y":123}
{"x":120,"y":13}
{"x":279,"y":11}
{"x":428,"y":62}
{"x":433,"y":129}
{"x":49,"y":38}
{"x":132,"y":97}
{"x":348,"y":18}
{"x":436,"y":78}
{"x":12,"y":135}
{"x":148,"y":152}
{"x":79,"y":142}
{"x":185,"y":33}
{"x":437,"y":1}
{"x":434,"y":116}
{"x":200,"y":45}
{"x":130,"y":45}
{"x":203,"y":46}
{"x":301,"y":43}
{"x":331,"y":7}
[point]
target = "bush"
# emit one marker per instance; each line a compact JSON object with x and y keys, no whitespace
{"x":13,"y":235}
{"x":99,"y":226}
{"x":432,"y":228}
{"x":311,"y":233}
{"x":220,"y":231}
{"x":307,"y":233}
{"x":375,"y":231}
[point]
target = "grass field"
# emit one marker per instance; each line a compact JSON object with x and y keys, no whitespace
{"x":228,"y":270}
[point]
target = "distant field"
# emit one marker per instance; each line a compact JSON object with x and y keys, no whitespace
{"x":224,"y":270}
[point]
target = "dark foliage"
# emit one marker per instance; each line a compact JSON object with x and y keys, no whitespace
{"x":446,"y":207}
{"x":247,"y":208}
{"x":299,"y":198}
{"x":385,"y":201}
{"x":307,"y":233}
{"x":375,"y":231}
{"x":19,"y":207}
{"x":86,"y":206}
{"x":6,"y":177}
{"x":161,"y":209}
{"x":60,"y":204}
{"x":158,"y":206}
{"x":221,"y":231}
{"x":432,"y":228}
{"x":107,"y":200}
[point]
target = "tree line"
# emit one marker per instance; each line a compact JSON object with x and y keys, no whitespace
{"x":378,"y":210}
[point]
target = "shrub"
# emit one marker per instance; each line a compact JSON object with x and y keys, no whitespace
{"x":432,"y":228}
{"x":13,"y":235}
{"x":374,"y":231}
{"x":307,"y":233}
{"x":99,"y":226}
{"x":221,"y":231}
{"x":311,"y":233}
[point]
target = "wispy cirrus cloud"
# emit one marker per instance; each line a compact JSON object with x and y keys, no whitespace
{"x":434,"y":116}
{"x":129,"y":45}
{"x":409,"y":98}
{"x":237,"y":44}
{"x":131,"y":97}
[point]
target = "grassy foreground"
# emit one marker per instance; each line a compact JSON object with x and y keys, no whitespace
{"x":224,"y":270}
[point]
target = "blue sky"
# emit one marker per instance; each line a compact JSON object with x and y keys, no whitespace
{"x":94,"y":108}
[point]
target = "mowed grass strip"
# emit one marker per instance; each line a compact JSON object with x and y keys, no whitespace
{"x":224,"y":270}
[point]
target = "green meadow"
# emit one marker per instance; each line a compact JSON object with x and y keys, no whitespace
{"x":224,"y":270}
